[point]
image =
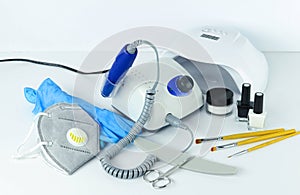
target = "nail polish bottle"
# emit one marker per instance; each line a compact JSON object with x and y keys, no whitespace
{"x":244,"y":105}
{"x":256,"y":116}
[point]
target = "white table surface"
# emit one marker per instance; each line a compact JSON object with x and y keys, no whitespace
{"x":271,"y":170}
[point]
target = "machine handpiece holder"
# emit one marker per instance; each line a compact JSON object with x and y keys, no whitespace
{"x":122,"y":63}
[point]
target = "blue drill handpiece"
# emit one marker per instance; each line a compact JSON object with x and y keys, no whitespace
{"x":122,"y":63}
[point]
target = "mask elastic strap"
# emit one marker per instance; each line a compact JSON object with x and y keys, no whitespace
{"x":30,"y":152}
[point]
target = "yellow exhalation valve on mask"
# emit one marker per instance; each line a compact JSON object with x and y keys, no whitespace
{"x":77,"y":137}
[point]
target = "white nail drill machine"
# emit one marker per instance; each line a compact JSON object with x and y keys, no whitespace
{"x":235,"y":61}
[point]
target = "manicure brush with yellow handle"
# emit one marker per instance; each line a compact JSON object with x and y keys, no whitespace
{"x":240,"y":135}
{"x":253,"y":140}
{"x":265,"y":144}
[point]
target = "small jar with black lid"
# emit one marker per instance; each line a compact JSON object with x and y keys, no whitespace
{"x":219,"y":101}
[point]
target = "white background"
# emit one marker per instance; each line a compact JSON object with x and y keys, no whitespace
{"x":66,"y":31}
{"x":64,"y":25}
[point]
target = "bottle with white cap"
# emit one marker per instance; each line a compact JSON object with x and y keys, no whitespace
{"x":256,"y":116}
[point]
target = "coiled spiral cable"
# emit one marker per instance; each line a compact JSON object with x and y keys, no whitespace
{"x":135,"y":130}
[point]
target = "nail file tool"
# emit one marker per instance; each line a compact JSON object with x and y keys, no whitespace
{"x":175,"y":157}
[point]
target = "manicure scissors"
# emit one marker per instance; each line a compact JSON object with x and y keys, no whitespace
{"x":159,"y":179}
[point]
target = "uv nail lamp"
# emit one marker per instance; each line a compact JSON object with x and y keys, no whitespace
{"x":183,"y":81}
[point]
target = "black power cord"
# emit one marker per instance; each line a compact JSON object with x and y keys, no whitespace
{"x":52,"y":64}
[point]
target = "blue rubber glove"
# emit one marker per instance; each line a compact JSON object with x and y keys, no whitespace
{"x":113,"y":126}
